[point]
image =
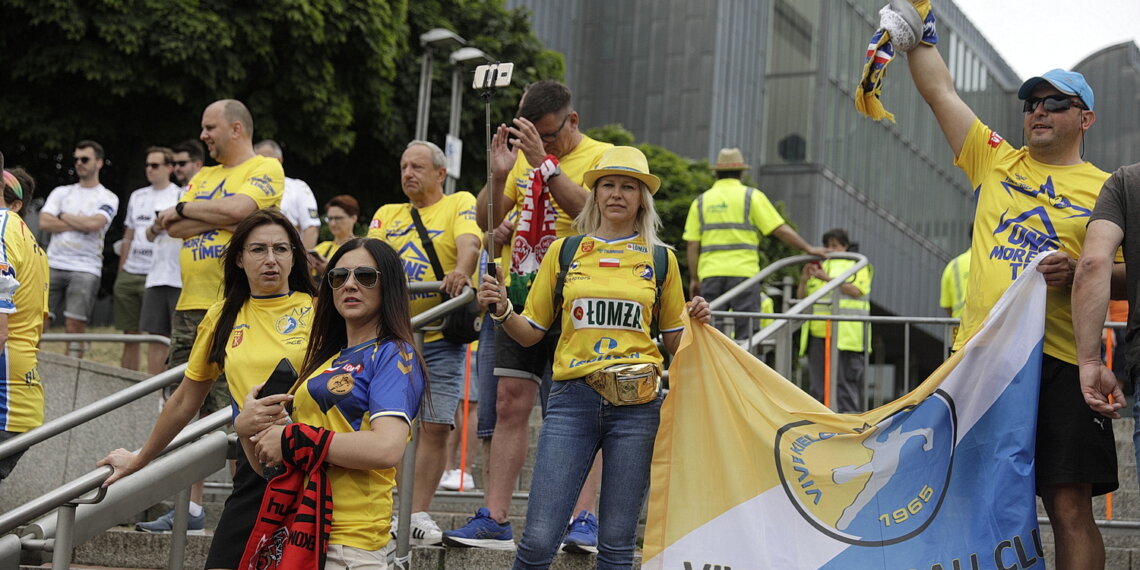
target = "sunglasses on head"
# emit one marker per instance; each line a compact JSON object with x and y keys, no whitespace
{"x":1053,"y":103}
{"x":365,"y":276}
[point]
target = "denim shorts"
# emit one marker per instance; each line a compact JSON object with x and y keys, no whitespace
{"x":446,"y":363}
{"x":74,"y":290}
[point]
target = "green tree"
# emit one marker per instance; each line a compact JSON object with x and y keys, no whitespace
{"x":334,"y":81}
{"x":682,"y":180}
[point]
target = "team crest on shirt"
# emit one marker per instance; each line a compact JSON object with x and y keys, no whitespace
{"x":574,"y":265}
{"x":286,"y":324}
{"x":340,"y":384}
{"x":587,"y":246}
{"x":238,"y":335}
{"x":643,"y":270}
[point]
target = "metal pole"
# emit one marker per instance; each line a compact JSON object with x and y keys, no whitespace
{"x":178,"y":533}
{"x":835,"y":364}
{"x":906,"y":356}
{"x":407,"y":474}
{"x":785,"y":344}
{"x":453,"y":120}
{"x":425,"y":95}
{"x":64,"y":536}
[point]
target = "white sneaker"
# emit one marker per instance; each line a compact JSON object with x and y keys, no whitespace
{"x":450,"y":480}
{"x":424,"y":530}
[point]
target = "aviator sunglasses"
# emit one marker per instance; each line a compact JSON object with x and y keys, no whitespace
{"x":1053,"y":103}
{"x":365,"y":276}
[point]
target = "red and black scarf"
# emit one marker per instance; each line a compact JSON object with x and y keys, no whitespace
{"x":292,"y":529}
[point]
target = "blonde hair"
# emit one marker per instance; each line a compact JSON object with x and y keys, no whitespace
{"x":646,"y":222}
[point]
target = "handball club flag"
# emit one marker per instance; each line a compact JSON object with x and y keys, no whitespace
{"x":751,"y":472}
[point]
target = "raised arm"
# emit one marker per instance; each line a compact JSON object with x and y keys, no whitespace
{"x":934,"y":83}
{"x":502,"y":159}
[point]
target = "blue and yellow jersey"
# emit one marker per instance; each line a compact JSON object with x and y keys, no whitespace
{"x":23,"y":297}
{"x":444,"y":221}
{"x":1024,"y":207}
{"x":259,"y":178}
{"x":360,"y":384}
{"x":265,"y":330}
{"x":607,"y":304}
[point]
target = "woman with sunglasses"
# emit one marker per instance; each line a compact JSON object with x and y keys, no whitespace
{"x":23,"y":304}
{"x":363,"y":381}
{"x":609,"y":298}
{"x":265,"y":315}
{"x":341,"y":214}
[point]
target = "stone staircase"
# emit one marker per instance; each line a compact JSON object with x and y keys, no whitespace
{"x":124,"y":548}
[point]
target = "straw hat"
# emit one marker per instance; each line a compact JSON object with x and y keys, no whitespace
{"x":626,"y":161}
{"x":730,"y":159}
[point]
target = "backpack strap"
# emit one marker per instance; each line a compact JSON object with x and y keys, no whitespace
{"x":565,"y":258}
{"x":660,"y":269}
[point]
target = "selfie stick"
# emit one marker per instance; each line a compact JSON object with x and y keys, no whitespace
{"x":486,"y":91}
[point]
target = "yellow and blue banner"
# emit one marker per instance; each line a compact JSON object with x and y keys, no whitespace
{"x":749,"y":471}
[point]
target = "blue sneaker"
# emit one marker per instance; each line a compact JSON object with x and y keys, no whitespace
{"x":481,"y":531}
{"x":582,"y":536}
{"x":165,"y":524}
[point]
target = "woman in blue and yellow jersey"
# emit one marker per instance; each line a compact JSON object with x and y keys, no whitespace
{"x":606,"y":395}
{"x":265,"y":315}
{"x":363,"y":381}
{"x":23,"y":289}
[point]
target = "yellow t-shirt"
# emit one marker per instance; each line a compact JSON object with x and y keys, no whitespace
{"x":265,"y":330}
{"x":444,"y":221}
{"x":954,"y":279}
{"x":574,"y":166}
{"x":259,"y":178}
{"x":23,"y":281}
{"x":353,"y":388}
{"x":1023,"y":207}
{"x":326,"y":249}
{"x":723,"y":206}
{"x":607,"y":304}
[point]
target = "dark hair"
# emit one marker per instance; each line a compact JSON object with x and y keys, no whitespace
{"x":236,"y":285}
{"x":837,"y":234}
{"x":192,"y":147}
{"x":329,"y":334}
{"x":543,"y":98}
{"x":27,"y":184}
{"x":98,"y":148}
{"x":344,"y":202}
{"x":167,"y":154}
{"x":722,"y":174}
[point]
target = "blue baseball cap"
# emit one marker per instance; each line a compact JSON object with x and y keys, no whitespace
{"x":1067,"y":82}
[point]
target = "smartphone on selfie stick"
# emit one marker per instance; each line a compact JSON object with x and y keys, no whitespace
{"x":489,"y":77}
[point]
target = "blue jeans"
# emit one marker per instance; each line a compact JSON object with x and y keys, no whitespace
{"x":578,"y":423}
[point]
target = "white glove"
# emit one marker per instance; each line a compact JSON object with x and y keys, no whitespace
{"x":902,"y":22}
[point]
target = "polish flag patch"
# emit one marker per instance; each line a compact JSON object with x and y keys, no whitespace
{"x":609,"y":262}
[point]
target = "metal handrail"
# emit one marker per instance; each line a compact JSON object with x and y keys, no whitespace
{"x":69,"y":492}
{"x":105,"y":337}
{"x":91,"y":411}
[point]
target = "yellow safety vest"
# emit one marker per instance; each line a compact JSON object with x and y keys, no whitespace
{"x":848,"y":335}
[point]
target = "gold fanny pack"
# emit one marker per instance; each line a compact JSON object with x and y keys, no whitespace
{"x":626,"y":384}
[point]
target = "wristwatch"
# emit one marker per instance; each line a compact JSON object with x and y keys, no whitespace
{"x":557,"y":170}
{"x":178,"y":208}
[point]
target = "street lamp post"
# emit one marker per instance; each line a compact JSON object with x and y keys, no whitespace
{"x":430,"y":40}
{"x":454,"y":147}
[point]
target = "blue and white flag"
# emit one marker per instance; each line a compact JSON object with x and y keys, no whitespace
{"x":751,"y":472}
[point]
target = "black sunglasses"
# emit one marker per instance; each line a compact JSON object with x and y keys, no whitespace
{"x":180,"y":163}
{"x":83,"y":159}
{"x":365,"y":276}
{"x":1053,"y":103}
{"x":156,"y":164}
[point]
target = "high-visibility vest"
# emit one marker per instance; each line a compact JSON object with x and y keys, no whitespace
{"x":848,"y":335}
{"x":954,"y":279}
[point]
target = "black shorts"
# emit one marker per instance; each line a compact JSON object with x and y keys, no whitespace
{"x":238,"y":517}
{"x":514,"y":360}
{"x":1074,"y":443}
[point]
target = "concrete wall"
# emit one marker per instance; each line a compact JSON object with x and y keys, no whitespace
{"x":71,"y":384}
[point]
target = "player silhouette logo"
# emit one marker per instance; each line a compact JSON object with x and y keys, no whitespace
{"x":870,"y":485}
